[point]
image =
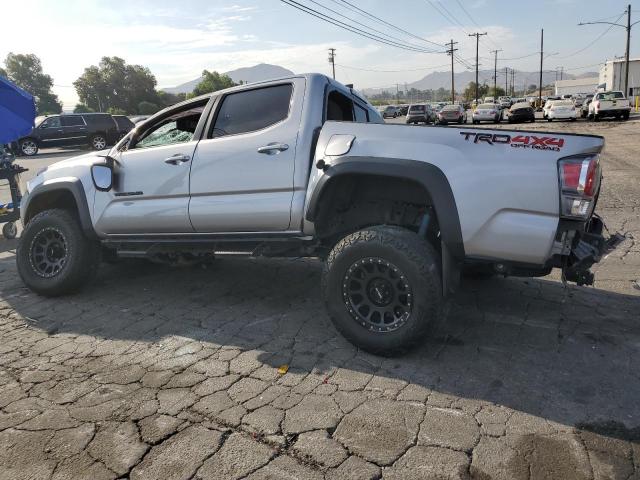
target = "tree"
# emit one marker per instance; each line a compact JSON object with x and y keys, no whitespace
{"x":470,"y":91}
{"x":147,"y":108}
{"x":26,"y":72}
{"x":115,"y":85}
{"x":212,"y":82}
{"x":167,"y":99}
{"x":82,"y":108}
{"x":498,"y":92}
{"x":3,"y":72}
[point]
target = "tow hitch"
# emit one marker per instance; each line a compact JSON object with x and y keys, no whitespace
{"x":588,"y":248}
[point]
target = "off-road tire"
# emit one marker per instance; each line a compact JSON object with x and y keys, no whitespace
{"x":419,"y":263}
{"x":9,"y":230}
{"x":82,"y":255}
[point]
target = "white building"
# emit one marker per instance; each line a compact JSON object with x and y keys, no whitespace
{"x":612,"y":75}
{"x":578,"y":85}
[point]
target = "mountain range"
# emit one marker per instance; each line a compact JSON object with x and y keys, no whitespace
{"x":432,"y":81}
{"x":436,"y":80}
{"x":257,"y":73}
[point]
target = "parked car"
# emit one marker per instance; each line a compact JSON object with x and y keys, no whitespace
{"x":561,"y":110}
{"x":505,"y":102}
{"x":489,"y":100}
{"x":390,"y":111}
{"x":521,"y":112}
{"x":486,"y":112}
{"x":609,"y":104}
{"x":231,"y":171}
{"x":124,"y":125}
{"x":452,"y":114}
{"x":95,"y":130}
{"x":436,"y":107}
{"x":420,"y":113}
{"x":566,"y":96}
{"x":404,"y":109}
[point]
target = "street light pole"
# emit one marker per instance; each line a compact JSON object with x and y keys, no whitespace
{"x":627,"y":27}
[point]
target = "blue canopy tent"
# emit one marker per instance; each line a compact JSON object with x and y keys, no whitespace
{"x":17,"y":112}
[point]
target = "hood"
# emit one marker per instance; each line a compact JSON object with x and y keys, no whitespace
{"x":86,"y":159}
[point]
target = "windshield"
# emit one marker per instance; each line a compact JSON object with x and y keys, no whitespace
{"x":38,"y":120}
{"x":563,"y":103}
{"x":450,"y":108}
{"x":520,"y":105}
{"x":609,"y":95}
{"x":417,"y":108}
{"x":486,"y":106}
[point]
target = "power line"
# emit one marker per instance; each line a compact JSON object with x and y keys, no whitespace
{"x":451,"y":51}
{"x":392,"y":71}
{"x":455,"y":22}
{"x":594,"y":41}
{"x":360,"y":11}
{"x":350,"y":28}
{"x":366,"y":26}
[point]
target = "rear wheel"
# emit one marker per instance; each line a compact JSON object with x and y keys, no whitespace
{"x":382,"y":289}
{"x":9,"y":230}
{"x":53,"y":255}
{"x":625,"y":116}
{"x":98,"y":142}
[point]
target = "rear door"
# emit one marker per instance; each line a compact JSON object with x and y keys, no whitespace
{"x":75,"y":129}
{"x":242,"y":171}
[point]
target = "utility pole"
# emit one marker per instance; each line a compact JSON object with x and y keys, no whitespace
{"x":495,"y":71}
{"x":450,"y":51}
{"x":541,"y":56}
{"x":627,"y":27}
{"x":332,"y":61}
{"x":506,"y":80}
{"x":477,"y":35}
{"x":513,"y":79}
{"x":397,"y":95}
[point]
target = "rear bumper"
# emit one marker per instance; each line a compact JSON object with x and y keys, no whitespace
{"x":586,"y":246}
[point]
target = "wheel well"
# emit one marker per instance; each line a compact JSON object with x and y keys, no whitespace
{"x":352,"y":202}
{"x":62,"y":199}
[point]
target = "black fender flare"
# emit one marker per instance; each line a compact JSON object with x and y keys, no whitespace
{"x":72,"y":186}
{"x":430,"y":177}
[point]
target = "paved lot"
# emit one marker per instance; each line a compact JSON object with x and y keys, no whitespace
{"x":158,"y":372}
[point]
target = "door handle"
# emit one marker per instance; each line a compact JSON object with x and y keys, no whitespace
{"x":273,"y":148}
{"x":177,"y":159}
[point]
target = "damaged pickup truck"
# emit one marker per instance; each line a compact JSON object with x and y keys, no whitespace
{"x":304,"y":166}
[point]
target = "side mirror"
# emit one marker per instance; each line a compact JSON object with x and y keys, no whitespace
{"x":102,"y":176}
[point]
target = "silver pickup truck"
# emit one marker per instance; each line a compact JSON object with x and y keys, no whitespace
{"x":304,"y":166}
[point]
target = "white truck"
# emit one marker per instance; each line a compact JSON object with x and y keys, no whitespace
{"x":304,"y":166}
{"x":609,"y":104}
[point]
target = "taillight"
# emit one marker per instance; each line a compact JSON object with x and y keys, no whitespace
{"x":579,"y":184}
{"x":596,"y":104}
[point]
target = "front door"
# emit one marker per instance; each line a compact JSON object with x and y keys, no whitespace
{"x":242,"y":171}
{"x":51,"y":133}
{"x":151,"y":192}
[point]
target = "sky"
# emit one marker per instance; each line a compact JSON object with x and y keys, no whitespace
{"x":177,"y":40}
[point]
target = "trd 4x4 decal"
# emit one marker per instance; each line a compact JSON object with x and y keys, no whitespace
{"x":519,"y":141}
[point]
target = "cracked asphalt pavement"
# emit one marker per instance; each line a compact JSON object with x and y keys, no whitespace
{"x":155,"y":372}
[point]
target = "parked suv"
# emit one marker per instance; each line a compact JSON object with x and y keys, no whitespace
{"x":124,"y":124}
{"x":420,"y":112}
{"x":96,"y":130}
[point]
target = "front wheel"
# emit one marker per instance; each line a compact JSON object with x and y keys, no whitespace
{"x":53,"y":255}
{"x":98,"y":142}
{"x":382,"y":288}
{"x":28,"y":147}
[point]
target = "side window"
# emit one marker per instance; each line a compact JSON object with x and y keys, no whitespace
{"x":252,"y":110}
{"x":176,"y":128}
{"x":360,"y":113}
{"x":339,"y":107}
{"x":51,"y":122}
{"x":72,"y":121}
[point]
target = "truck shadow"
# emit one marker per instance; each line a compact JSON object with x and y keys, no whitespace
{"x":568,"y":356}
